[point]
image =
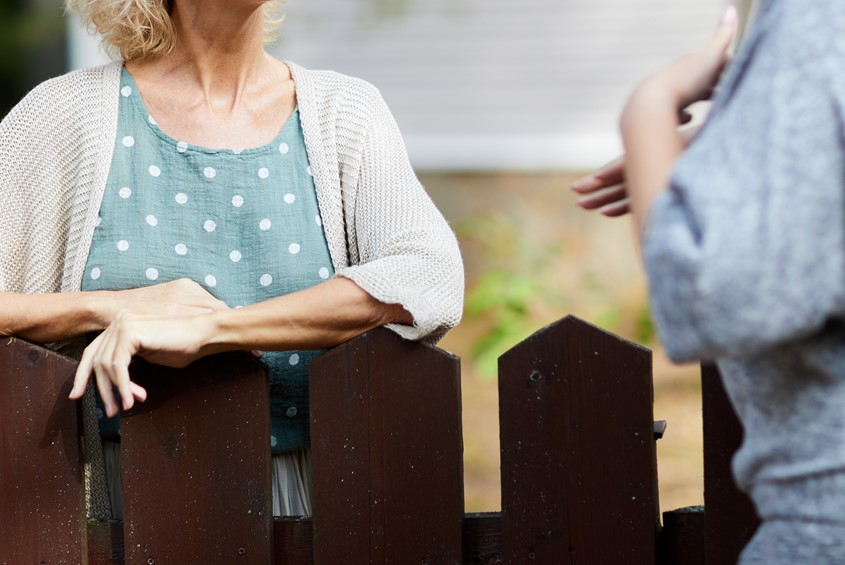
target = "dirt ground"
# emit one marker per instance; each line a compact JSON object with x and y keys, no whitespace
{"x":528,"y":230}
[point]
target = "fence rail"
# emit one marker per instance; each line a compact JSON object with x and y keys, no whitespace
{"x":579,"y":469}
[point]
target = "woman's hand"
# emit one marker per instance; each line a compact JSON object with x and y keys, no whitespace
{"x":174,"y":341}
{"x":182,"y":297}
{"x":606,"y":191}
{"x":649,"y":126}
{"x":686,"y":81}
{"x":322,"y":316}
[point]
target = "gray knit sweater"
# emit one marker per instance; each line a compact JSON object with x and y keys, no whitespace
{"x":746,"y":256}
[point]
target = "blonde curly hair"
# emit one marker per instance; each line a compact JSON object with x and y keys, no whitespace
{"x":136,"y":29}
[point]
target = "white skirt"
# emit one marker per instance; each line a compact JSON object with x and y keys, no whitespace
{"x":291,"y":476}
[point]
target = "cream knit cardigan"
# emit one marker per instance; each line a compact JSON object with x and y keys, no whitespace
{"x":382,"y":229}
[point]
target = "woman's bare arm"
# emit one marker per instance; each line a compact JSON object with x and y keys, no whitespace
{"x":321,"y":316}
{"x":54,"y":317}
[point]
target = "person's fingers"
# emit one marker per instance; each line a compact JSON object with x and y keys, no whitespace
{"x":139,"y":392}
{"x":603,"y":198}
{"x":613,"y":172}
{"x":84,"y":370}
{"x":106,"y":389}
{"x":725,"y":32}
{"x":617,"y":209}
{"x":115,"y":354}
{"x":608,"y":175}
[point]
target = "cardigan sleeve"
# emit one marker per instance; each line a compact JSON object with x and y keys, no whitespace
{"x":407,"y":254}
{"x":746,"y":250}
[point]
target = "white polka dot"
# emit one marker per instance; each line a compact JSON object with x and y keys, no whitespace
{"x":209,"y":172}
{"x":181,"y":198}
{"x":122,"y":245}
{"x":324,"y":273}
{"x":318,"y":219}
{"x":152,"y":273}
{"x":309,"y":172}
{"x":152,"y":220}
{"x":181,"y":249}
{"x":294,"y":359}
{"x":293,"y":248}
{"x":237,"y":201}
{"x":284,"y":148}
{"x":211,"y":280}
{"x":152,"y":120}
{"x":263,"y":173}
{"x":95,"y":273}
{"x":181,"y":147}
{"x":126,"y":91}
{"x":125,"y":192}
{"x":237,"y":151}
{"x":265,"y":224}
{"x":128,"y":141}
{"x":209,"y":226}
{"x":273,"y":441}
{"x":290,"y":198}
{"x":235,"y":256}
{"x":155,"y":171}
{"x":266,"y":280}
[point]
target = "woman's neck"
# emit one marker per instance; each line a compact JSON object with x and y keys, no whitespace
{"x":218,"y":87}
{"x":219,"y":50}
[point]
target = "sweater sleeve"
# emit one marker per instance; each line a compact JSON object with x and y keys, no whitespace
{"x":407,"y":254}
{"x":746,"y":250}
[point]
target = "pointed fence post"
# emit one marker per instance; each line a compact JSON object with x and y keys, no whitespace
{"x":578,"y":451}
{"x":196,"y":464}
{"x":42,"y":505}
{"x":387,"y":453}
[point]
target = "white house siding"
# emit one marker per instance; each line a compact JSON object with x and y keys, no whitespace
{"x":496,"y":84}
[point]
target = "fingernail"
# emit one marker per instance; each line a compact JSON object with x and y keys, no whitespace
{"x":730,"y":17}
{"x":584,"y":200}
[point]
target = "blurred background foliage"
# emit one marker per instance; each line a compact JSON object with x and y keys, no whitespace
{"x":32,"y":46}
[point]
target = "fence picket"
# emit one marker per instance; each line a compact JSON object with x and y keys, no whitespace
{"x":201,"y":444}
{"x":42,"y":507}
{"x":578,"y":462}
{"x":730,"y":518}
{"x":387,"y":453}
{"x":578,"y":453}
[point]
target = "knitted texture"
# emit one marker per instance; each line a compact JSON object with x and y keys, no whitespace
{"x":746,"y":254}
{"x":382,"y":229}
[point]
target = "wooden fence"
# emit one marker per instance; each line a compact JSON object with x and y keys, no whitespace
{"x":579,"y":468}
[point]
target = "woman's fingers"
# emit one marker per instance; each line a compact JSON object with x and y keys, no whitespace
{"x":608,"y":175}
{"x":616,"y":209}
{"x":725,"y":32}
{"x":139,"y":392}
{"x":607,"y":196}
{"x":108,"y":358}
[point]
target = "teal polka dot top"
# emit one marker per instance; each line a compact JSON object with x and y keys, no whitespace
{"x":244,"y":223}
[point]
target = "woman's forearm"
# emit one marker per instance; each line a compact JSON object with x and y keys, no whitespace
{"x":318,"y":317}
{"x":48,"y":318}
{"x":652,"y":145}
